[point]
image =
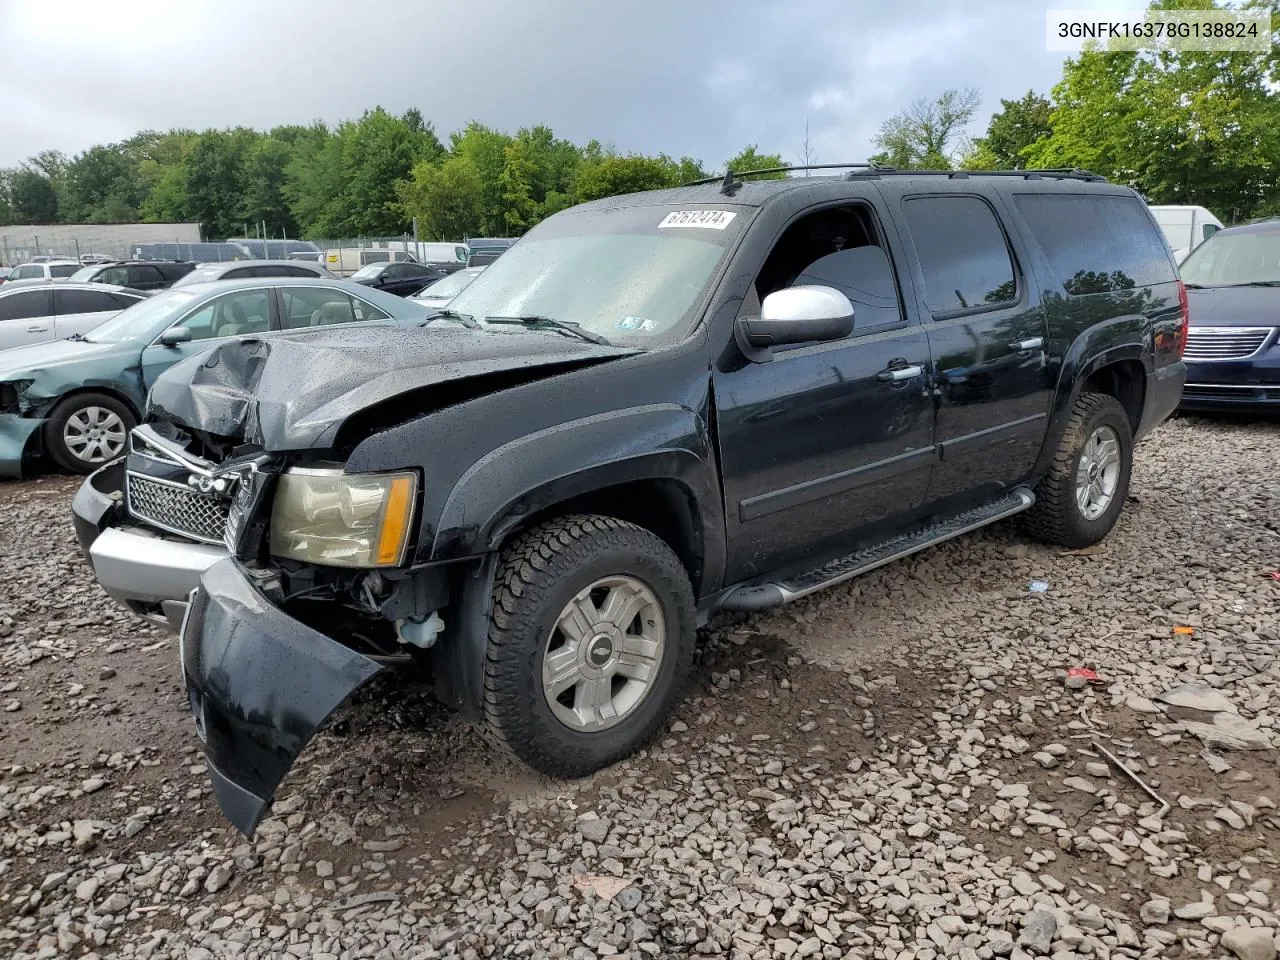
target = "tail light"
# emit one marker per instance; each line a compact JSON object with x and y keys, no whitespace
{"x":1185,"y":307}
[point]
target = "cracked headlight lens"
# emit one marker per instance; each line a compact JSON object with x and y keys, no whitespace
{"x":342,"y":519}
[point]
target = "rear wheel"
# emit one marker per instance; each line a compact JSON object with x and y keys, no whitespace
{"x":86,"y":430}
{"x":590,"y":639}
{"x":1080,"y":497}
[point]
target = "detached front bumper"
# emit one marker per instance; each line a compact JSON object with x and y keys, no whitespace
{"x":260,"y":684}
{"x":150,"y":573}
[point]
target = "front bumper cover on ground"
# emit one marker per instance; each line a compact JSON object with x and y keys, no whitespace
{"x":260,"y":684}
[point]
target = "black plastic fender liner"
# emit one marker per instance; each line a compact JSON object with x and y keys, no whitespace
{"x":458,"y":658}
{"x":260,"y":685}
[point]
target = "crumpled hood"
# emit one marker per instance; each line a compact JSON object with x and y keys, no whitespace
{"x":1234,"y":306}
{"x":293,"y":392}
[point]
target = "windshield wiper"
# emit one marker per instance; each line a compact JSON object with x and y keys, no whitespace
{"x":1193,"y":286}
{"x":466,"y":320}
{"x":568,"y":326}
{"x":79,"y":337}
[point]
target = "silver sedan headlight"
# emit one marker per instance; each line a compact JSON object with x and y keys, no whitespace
{"x":343,"y":519}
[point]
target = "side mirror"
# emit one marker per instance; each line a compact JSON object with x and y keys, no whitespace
{"x":806,"y":314}
{"x":174,"y":336}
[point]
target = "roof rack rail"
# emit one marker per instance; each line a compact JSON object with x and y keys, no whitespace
{"x":731,"y":180}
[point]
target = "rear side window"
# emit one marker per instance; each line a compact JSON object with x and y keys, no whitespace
{"x":963,"y":254}
{"x":1096,"y":244}
{"x":123,"y":301}
{"x":298,"y":272}
{"x":62,"y":270}
{"x":82,"y":301}
{"x":29,"y":271}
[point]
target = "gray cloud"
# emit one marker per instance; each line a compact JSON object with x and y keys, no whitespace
{"x":698,"y":79}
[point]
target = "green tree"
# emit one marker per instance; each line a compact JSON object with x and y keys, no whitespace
{"x":751,"y":159}
{"x":314,"y":182}
{"x":1181,"y":127}
{"x":927,"y":135}
{"x":102,"y":185}
{"x":32,"y":197}
{"x":615,"y":175}
{"x":264,"y":189}
{"x":446,"y":199}
{"x":215,"y":179}
{"x":376,"y":151}
{"x":1013,"y":129}
{"x":519,"y":173}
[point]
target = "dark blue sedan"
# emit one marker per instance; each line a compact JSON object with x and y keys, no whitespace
{"x":1233,"y":347}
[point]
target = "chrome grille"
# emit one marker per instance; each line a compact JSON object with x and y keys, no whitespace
{"x":1225,"y":343}
{"x":178,"y":509}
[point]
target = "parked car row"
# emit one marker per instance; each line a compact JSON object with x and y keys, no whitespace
{"x":75,"y":399}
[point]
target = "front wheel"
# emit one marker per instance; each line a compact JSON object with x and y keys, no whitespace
{"x":86,"y":430}
{"x":591,"y":636}
{"x":1080,"y":497}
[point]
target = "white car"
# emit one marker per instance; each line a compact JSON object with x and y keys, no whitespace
{"x":45,"y":270}
{"x":445,"y":289}
{"x":40,"y":312}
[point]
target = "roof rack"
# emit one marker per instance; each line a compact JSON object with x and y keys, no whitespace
{"x":731,"y":180}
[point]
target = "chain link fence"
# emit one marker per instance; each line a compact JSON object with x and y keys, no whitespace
{"x":87,"y":242}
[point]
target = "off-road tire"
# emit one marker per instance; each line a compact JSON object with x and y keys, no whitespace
{"x":54,"y":444}
{"x":538,"y":573}
{"x":1056,"y":517}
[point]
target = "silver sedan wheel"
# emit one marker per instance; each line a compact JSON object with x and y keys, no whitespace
{"x":94,"y":434}
{"x":1098,"y":473}
{"x":604,"y":653}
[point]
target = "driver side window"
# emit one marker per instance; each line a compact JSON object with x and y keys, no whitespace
{"x":836,"y":247}
{"x":232,"y":314}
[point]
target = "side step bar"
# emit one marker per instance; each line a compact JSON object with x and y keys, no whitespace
{"x":751,"y":598}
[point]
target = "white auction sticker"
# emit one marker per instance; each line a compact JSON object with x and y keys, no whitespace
{"x":706,"y":219}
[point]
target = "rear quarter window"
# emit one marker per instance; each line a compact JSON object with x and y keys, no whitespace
{"x":1096,"y":243}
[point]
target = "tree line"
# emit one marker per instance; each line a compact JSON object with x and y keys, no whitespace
{"x":365,"y":177}
{"x":1187,"y":127}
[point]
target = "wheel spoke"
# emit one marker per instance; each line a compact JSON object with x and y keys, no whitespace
{"x":622,"y":605}
{"x":560,"y":670}
{"x":635,"y":667}
{"x":594,"y":704}
{"x":579,"y":618}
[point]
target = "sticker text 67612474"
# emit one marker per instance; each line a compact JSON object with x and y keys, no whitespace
{"x":706,"y":219}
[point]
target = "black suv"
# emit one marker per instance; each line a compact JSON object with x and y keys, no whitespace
{"x":138,"y":274}
{"x":652,"y":408}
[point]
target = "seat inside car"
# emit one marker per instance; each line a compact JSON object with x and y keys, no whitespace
{"x":332,"y":312}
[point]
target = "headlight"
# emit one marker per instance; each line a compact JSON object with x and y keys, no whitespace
{"x":343,"y":519}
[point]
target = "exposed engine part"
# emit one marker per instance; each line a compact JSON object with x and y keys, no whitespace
{"x":420,"y":633}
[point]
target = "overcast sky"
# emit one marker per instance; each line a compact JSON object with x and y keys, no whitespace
{"x":701,"y":78}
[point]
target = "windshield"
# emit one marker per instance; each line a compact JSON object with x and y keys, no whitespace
{"x":145,"y":319}
{"x":1230,"y":259}
{"x":449,"y":286}
{"x":85,"y":274}
{"x":368,"y":272}
{"x":632,"y":274}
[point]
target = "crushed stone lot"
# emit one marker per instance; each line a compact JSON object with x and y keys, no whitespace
{"x":893,"y":768}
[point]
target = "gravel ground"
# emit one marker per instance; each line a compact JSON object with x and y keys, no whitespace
{"x":896,"y":768}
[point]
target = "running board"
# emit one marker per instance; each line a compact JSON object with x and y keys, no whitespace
{"x":761,"y":596}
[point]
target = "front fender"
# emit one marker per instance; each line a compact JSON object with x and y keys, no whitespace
{"x":531,"y":473}
{"x":15,"y":438}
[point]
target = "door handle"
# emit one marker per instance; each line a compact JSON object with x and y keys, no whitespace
{"x":1035,"y":343}
{"x":37,"y":329}
{"x":894,"y":374}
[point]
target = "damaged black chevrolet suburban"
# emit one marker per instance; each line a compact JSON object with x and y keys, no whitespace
{"x":650,"y":409}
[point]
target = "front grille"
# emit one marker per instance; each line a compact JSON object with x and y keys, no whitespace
{"x":1224,"y":343}
{"x":178,"y":509}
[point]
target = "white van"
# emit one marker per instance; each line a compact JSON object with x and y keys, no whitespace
{"x":1186,"y":227}
{"x":345,"y":261}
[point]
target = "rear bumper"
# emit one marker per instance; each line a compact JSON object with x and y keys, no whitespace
{"x":1164,"y":390}
{"x":150,"y":573}
{"x":260,"y":684}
